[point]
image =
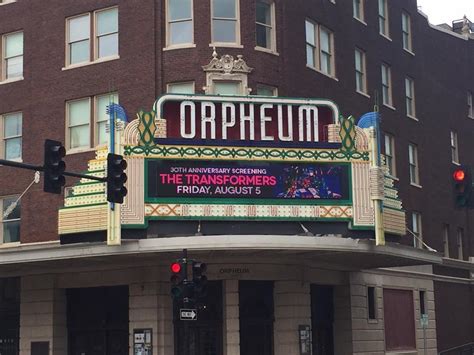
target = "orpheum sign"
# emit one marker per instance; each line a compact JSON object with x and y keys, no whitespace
{"x":226,"y":119}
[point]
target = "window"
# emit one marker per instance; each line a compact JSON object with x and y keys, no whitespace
{"x":371,"y":303}
{"x":446,"y":240}
{"x":12,"y":135}
{"x":181,"y":88}
{"x":460,"y":236}
{"x":87,"y":118}
{"x":225,"y":22}
{"x":386,"y":85}
{"x":416,"y":229}
{"x":454,"y":148}
{"x":266,"y":90}
{"x":10,"y":217}
{"x":422,"y":295}
{"x":406,"y":32}
{"x":265,"y":25}
{"x":413,"y":161}
{"x":319,"y":48}
{"x":410,"y":97}
{"x":383,"y":18}
{"x":358,"y":9}
{"x":390,"y":154}
{"x":12,"y":54}
{"x":470,"y":109}
{"x":104,"y":30}
{"x":230,"y":88}
{"x":361,"y":79}
{"x":180,"y":29}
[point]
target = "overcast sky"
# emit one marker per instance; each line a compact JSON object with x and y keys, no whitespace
{"x":445,"y":11}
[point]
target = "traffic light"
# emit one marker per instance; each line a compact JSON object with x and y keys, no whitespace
{"x":116,"y":178}
{"x":462,"y":186}
{"x":178,"y":279}
{"x":53,"y":166}
{"x":199,"y":279}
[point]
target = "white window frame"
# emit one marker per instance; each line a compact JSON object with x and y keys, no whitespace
{"x":459,"y":239}
{"x":4,"y":59}
{"x":383,"y":18}
{"x":407,"y":41}
{"x":273,"y":48}
{"x":3,"y":220}
{"x":93,"y":123}
{"x":95,"y":117}
{"x":454,"y":147}
{"x":410,"y":103}
{"x":93,"y":40}
{"x":318,"y":52}
{"x":416,"y":226}
{"x":361,"y":73}
{"x":387,"y":98}
{"x":390,"y":158}
{"x":170,"y":85}
{"x":413,"y":164}
{"x":446,"y":240}
{"x":169,"y":45}
{"x":359,"y":6}
{"x":470,"y":107}
{"x":3,"y":150}
{"x":237,"y":42}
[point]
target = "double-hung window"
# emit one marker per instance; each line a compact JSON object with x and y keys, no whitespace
{"x":12,"y":135}
{"x":406,"y":32}
{"x":180,"y":30}
{"x":410,"y":97}
{"x":416,"y":229}
{"x":11,"y":67}
{"x":265,"y":25}
{"x":386,"y":85}
{"x":360,"y":71}
{"x":470,"y":108}
{"x":10,"y":218}
{"x":390,"y":154}
{"x":320,"y":48}
{"x":92,"y":36}
{"x":225,"y":22}
{"x":454,"y":148}
{"x":87,"y":120}
{"x":413,"y":163}
{"x":358,"y":9}
{"x":383,"y":18}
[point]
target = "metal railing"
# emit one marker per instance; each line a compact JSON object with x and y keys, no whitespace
{"x":466,"y":349}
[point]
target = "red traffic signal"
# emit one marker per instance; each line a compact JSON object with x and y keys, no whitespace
{"x":459,"y":175}
{"x":462,"y":187}
{"x":176,"y":267}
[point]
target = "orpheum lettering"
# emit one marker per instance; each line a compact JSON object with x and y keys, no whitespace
{"x":249,"y":122}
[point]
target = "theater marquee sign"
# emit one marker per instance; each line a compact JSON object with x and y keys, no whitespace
{"x":239,"y":158}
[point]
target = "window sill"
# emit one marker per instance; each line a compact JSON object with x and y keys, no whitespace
{"x":416,"y":185}
{"x":7,"y":2}
{"x":413,"y":118}
{"x":363,"y":94}
{"x":470,"y":117}
{"x":323,"y":73}
{"x":17,"y":160}
{"x":386,"y":37}
{"x":266,"y":50}
{"x":390,"y":107}
{"x":10,"y":245}
{"x":182,"y":46}
{"x":227,"y":45}
{"x":360,"y":20}
{"x":372,"y":321}
{"x":79,"y":150}
{"x":12,"y":80}
{"x":456,"y":163}
{"x":409,"y":51}
{"x":97,"y":61}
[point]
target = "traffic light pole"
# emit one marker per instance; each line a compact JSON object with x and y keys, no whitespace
{"x":15,"y":164}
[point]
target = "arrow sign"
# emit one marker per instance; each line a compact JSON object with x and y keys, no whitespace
{"x":188,"y":314}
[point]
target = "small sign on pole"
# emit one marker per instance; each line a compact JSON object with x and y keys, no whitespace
{"x":424,"y":320}
{"x":187,"y":314}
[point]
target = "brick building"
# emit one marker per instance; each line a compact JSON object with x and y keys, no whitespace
{"x":63,"y":63}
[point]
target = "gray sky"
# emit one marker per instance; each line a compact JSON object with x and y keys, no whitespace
{"x":445,"y":11}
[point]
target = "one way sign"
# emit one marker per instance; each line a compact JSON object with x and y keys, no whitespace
{"x":187,"y":314}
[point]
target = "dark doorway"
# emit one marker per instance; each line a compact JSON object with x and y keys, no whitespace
{"x":204,"y":335}
{"x":9,"y":315}
{"x":322,"y":319}
{"x":256,"y":317}
{"x":97,"y":320}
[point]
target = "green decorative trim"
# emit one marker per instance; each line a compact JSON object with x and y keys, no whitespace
{"x":136,"y":226}
{"x":237,"y":153}
{"x":245,"y":218}
{"x":236,"y":201}
{"x":347,"y":133}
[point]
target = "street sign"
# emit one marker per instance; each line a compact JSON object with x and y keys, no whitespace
{"x":187,"y":314}
{"x":424,"y":321}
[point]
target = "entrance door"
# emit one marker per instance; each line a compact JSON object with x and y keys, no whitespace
{"x":9,"y":316}
{"x":98,"y":320}
{"x":204,"y":335}
{"x":322,"y":319}
{"x":256,"y":317}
